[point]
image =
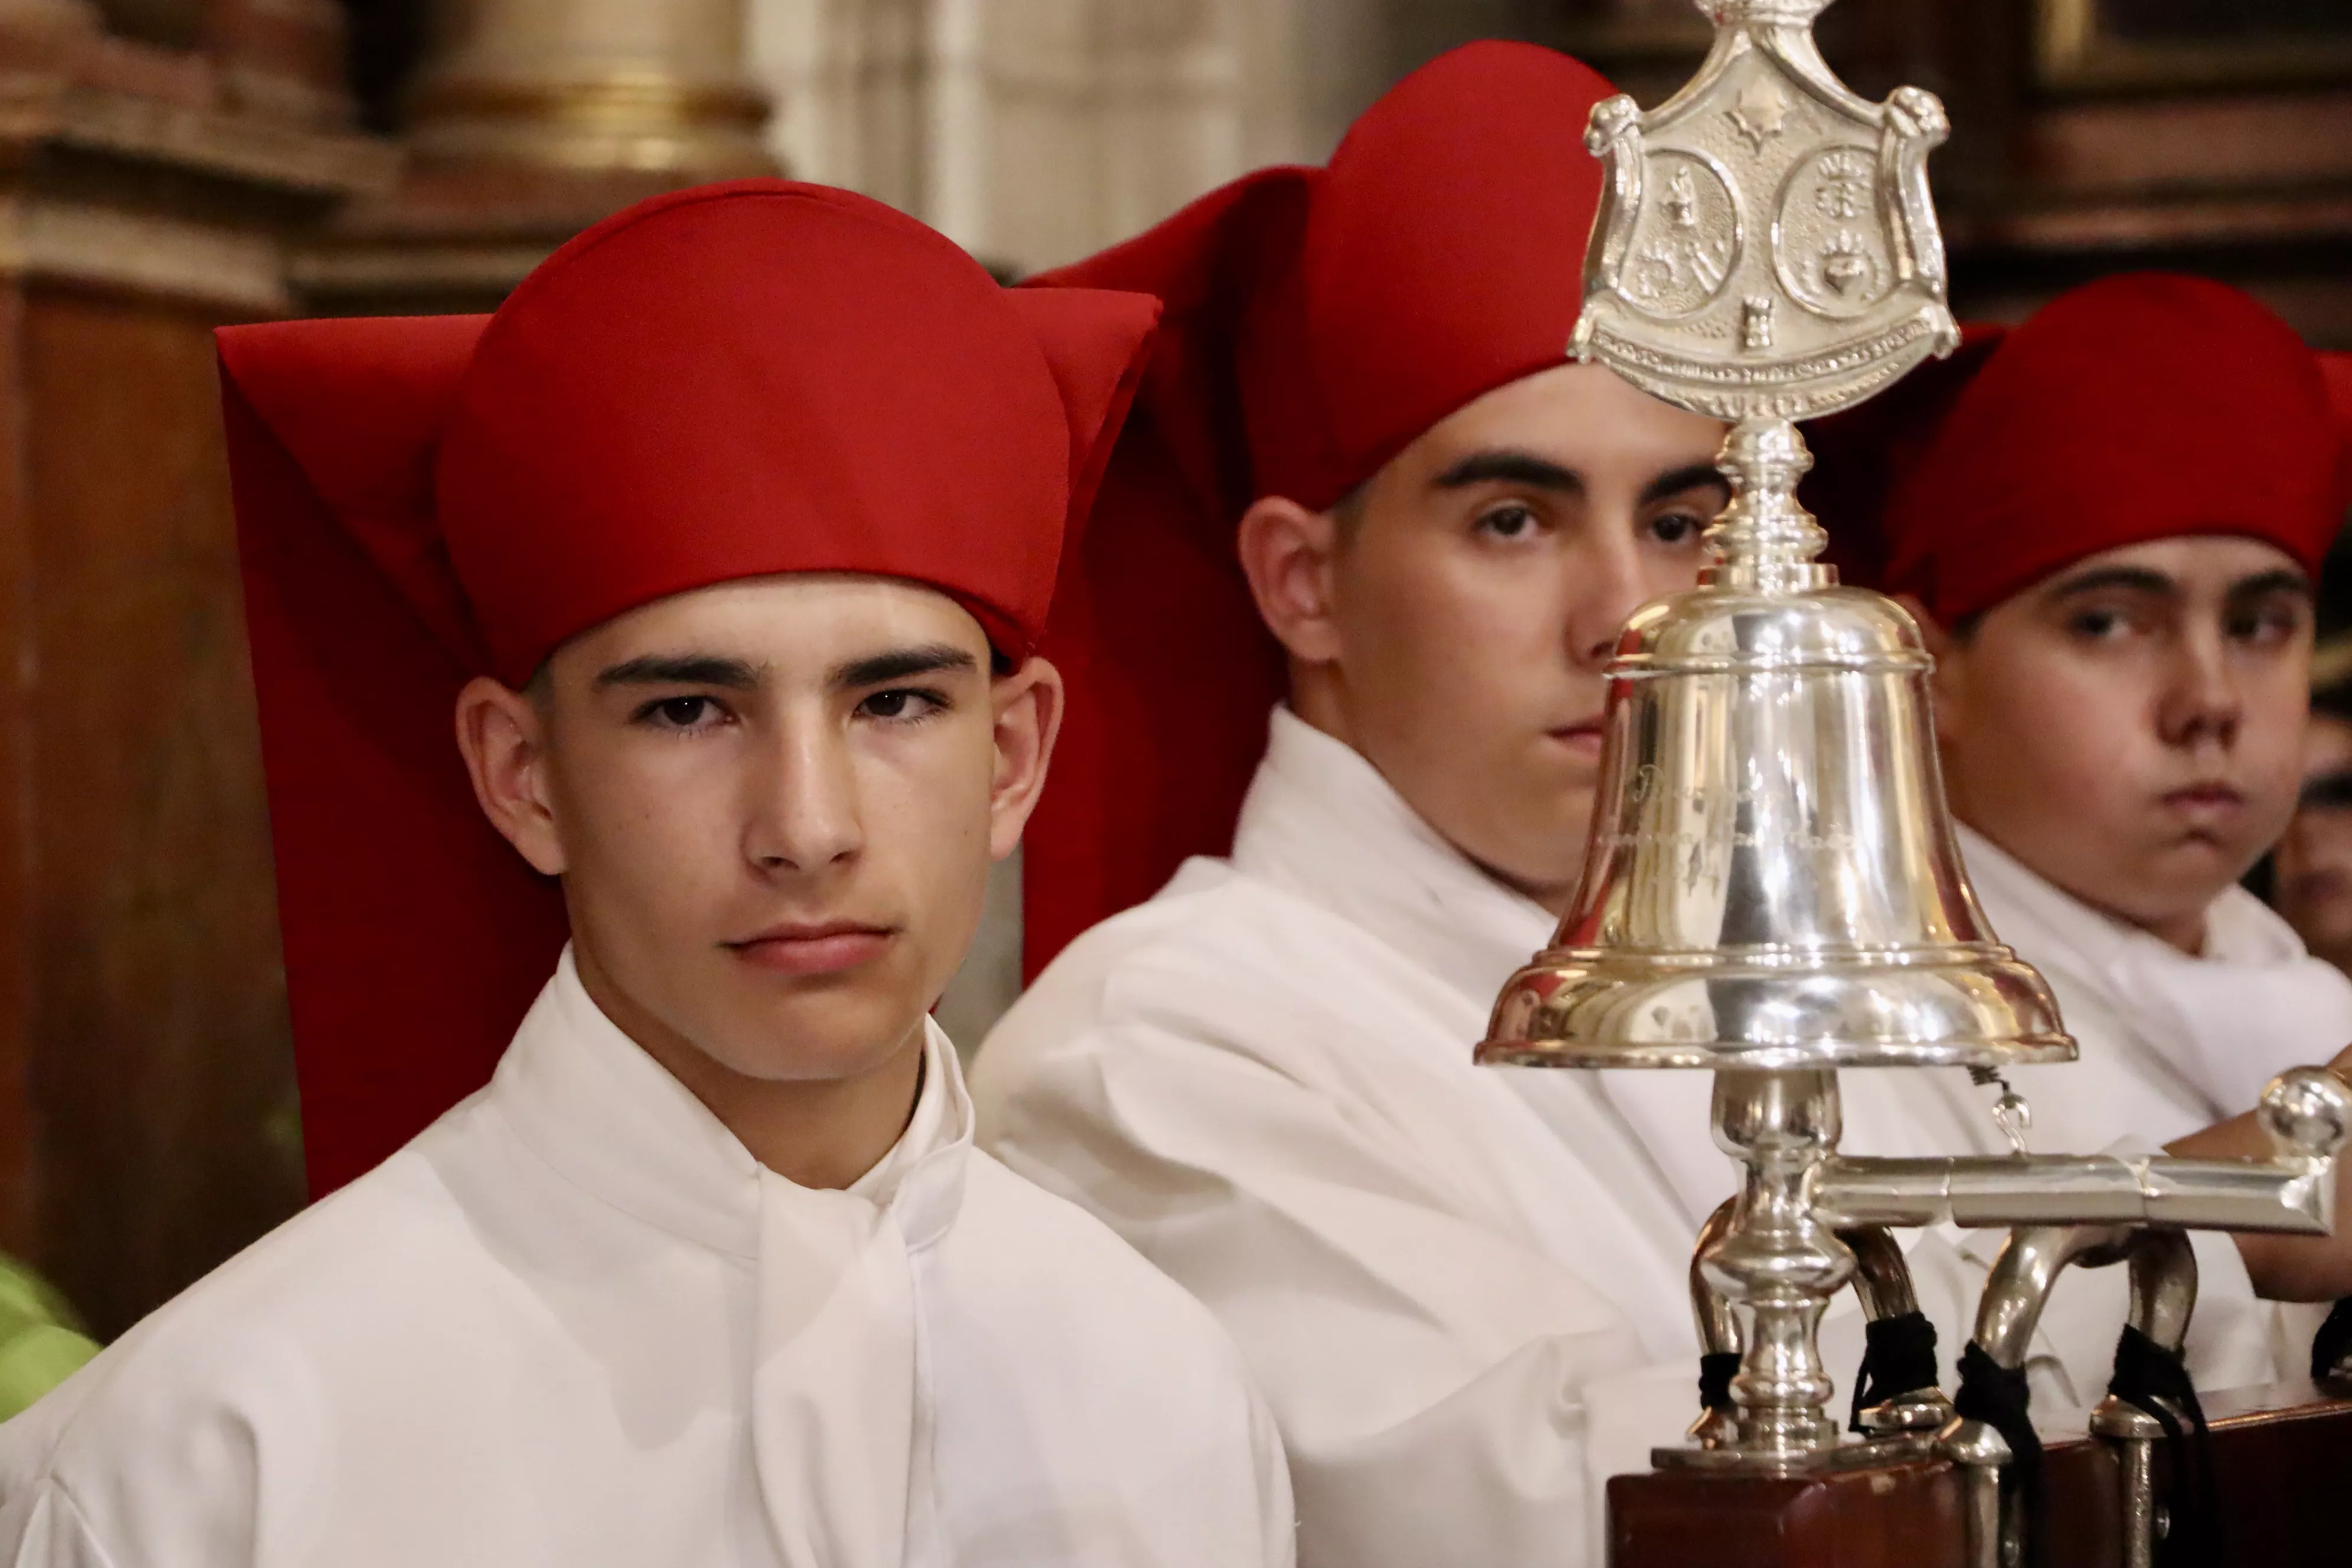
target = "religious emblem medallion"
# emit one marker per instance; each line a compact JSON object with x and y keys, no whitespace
{"x":1767,"y":210}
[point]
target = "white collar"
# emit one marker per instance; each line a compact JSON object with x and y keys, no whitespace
{"x":2240,"y":929}
{"x":1320,"y":822}
{"x":591,"y":1102}
{"x":2252,"y":1004}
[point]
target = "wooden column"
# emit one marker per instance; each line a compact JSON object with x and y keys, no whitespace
{"x":654,"y":85}
{"x":148,"y":1126}
{"x":529,"y":120}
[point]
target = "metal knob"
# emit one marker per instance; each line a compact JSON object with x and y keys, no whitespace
{"x":2307,"y":1112}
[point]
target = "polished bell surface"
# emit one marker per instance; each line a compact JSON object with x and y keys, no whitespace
{"x":1772,"y":881}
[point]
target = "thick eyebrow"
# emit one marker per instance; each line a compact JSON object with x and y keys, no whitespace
{"x":680,"y":670}
{"x":2132,"y":579}
{"x":2279,"y":581}
{"x":2140,"y":580}
{"x":1689,"y":477}
{"x":899,"y":664}
{"x":1508,"y":466}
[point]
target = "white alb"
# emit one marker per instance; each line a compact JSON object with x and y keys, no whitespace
{"x":1462,"y":1289}
{"x":576,"y":1324}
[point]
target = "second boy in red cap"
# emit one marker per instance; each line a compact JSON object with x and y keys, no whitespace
{"x":1366,"y":494}
{"x":727,"y":539}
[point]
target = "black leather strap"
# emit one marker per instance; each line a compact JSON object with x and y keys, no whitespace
{"x":2332,"y":1343}
{"x":2152,"y":1378}
{"x":1715,"y":1371}
{"x":2000,"y":1398}
{"x":1898,"y":1357}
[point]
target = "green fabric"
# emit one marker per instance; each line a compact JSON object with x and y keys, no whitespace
{"x":40,"y":1342}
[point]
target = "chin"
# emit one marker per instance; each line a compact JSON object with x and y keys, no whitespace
{"x":812,"y":1037}
{"x":2202,"y":861}
{"x":2182,"y":885}
{"x":1544,"y":883}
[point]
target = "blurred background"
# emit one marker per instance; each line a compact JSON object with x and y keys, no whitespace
{"x":173,"y":164}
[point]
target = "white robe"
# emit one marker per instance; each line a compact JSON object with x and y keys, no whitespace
{"x":574,"y":1323}
{"x":2170,"y":1043}
{"x":1463,"y":1289}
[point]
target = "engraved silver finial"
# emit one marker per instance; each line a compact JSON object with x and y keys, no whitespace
{"x":1766,"y":246}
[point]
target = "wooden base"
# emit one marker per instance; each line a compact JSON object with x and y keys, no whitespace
{"x":2281,"y":1454}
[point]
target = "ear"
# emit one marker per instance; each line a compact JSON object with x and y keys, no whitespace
{"x":503,"y":737}
{"x":1288,"y":555}
{"x":1948,"y":684}
{"x":1027,"y":707}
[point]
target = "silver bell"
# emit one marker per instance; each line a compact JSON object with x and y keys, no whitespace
{"x":1772,"y":881}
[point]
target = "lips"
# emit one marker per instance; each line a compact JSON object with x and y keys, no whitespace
{"x":1583,"y":735}
{"x":828,"y":947}
{"x":2205,"y":800}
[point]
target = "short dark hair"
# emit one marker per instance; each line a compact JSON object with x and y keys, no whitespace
{"x":1348,"y":511}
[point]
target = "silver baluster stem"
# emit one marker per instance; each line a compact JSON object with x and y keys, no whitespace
{"x":1778,"y":1264}
{"x":1765,"y":541}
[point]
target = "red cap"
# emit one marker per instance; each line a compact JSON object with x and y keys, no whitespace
{"x":2140,"y":407}
{"x":737,"y":381}
{"x":1318,"y":321}
{"x":2337,"y":366}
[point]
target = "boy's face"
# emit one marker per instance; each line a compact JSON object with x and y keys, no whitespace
{"x":1453,"y":621}
{"x":2132,"y":727}
{"x":773,"y":804}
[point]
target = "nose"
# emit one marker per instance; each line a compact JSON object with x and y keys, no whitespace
{"x":2201,"y":704}
{"x":1606,"y":585}
{"x":803,"y":814}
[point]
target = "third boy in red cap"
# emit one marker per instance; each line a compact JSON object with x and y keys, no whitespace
{"x":2109,"y":522}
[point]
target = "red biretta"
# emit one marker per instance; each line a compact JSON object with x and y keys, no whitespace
{"x":709,"y":538}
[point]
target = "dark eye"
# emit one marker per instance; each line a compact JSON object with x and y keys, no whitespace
{"x":680,"y":713}
{"x":2096,"y":625}
{"x":2265,"y":624}
{"x":1678,"y":527}
{"x":1512,"y":519}
{"x":902,"y":703}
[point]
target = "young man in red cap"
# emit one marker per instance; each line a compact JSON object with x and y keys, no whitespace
{"x":727,"y":539}
{"x":1365,"y":491}
{"x":2109,"y":522}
